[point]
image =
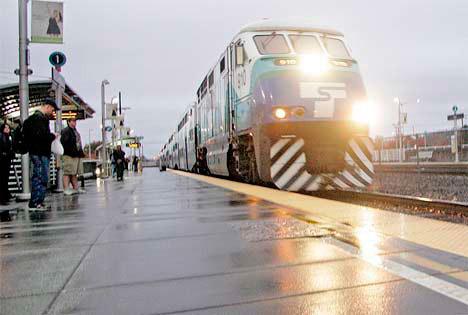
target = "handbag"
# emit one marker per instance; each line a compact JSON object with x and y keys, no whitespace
{"x":57,"y":147}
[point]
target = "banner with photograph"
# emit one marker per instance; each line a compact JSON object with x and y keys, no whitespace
{"x":47,"y":22}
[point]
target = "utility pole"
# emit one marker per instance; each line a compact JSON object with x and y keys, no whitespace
{"x":24,"y":90}
{"x":103,"y":129}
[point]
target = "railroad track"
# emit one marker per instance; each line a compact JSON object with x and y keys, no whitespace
{"x":451,"y":211}
{"x":429,"y":168}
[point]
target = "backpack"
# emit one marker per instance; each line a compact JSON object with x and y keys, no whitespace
{"x":19,"y":143}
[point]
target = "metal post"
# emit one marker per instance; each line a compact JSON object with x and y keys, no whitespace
{"x":58,"y":129}
{"x":120,"y":114}
{"x":89,"y":144}
{"x":457,"y":159}
{"x":24,"y":90}
{"x":113,"y":133}
{"x":103,"y":129}
{"x":400,"y":155}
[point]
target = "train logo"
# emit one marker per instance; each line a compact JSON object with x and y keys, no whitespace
{"x":324,"y":94}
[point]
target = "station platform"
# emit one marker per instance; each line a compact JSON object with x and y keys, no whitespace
{"x":174,"y":242}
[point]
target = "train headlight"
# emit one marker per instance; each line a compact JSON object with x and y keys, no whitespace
{"x":280,"y":113}
{"x":362,"y":112}
{"x":314,"y":64}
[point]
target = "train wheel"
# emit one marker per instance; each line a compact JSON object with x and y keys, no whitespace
{"x":247,"y":161}
{"x":252,"y":172}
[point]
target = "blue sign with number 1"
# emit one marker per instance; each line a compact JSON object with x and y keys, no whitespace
{"x":57,"y":59}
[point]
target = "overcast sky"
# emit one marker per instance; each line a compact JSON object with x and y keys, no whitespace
{"x":157,"y":53}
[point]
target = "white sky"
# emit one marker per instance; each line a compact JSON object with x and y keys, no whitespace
{"x":157,"y":52}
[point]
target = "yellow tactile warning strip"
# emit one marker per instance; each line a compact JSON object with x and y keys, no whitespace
{"x":445,"y":236}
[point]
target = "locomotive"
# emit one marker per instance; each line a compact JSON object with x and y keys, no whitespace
{"x":285,"y":105}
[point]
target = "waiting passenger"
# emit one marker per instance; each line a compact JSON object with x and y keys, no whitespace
{"x":73,"y":153}
{"x":6,"y":155}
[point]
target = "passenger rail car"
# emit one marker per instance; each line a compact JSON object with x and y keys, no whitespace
{"x":285,"y":104}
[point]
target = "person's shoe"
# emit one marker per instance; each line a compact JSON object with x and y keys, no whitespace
{"x":81,"y":191}
{"x":68,"y":192}
{"x":37,"y":208}
{"x":45,"y":207}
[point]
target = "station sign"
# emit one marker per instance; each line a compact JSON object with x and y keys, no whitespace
{"x":456,"y":117}
{"x":134,"y":145}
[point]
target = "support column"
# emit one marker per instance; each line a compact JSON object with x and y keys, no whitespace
{"x":24,"y":90}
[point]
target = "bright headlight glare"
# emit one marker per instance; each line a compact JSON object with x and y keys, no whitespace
{"x":314,"y":64}
{"x":279,"y":113}
{"x":362,"y":112}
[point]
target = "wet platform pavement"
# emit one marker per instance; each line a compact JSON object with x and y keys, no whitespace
{"x":165,"y":243}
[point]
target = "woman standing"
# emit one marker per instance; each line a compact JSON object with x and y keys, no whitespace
{"x":6,"y":154}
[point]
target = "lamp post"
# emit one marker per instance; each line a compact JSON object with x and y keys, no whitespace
{"x":103,"y":128}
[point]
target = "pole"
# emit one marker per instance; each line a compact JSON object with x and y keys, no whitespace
{"x":120,"y":103}
{"x":455,"y":131}
{"x":400,"y":157}
{"x":24,"y":90}
{"x":113,"y":133}
{"x":89,"y":144}
{"x":120,"y":114}
{"x":58,"y":129}
{"x":103,"y":129}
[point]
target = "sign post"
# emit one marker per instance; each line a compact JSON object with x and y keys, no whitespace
{"x":58,"y":82}
{"x":24,"y":90}
{"x":455,"y":118}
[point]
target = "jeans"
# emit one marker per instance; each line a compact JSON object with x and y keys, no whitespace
{"x":39,"y":179}
{"x":5,"y":163}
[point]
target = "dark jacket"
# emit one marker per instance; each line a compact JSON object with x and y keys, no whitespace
{"x":118,"y":155}
{"x":37,"y":135}
{"x":6,"y":148}
{"x":68,"y":140}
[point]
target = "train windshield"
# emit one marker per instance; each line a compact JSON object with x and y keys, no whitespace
{"x":271,"y":44}
{"x":305,"y":44}
{"x":336,"y":47}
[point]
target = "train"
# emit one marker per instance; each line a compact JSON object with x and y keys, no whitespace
{"x":284,"y":105}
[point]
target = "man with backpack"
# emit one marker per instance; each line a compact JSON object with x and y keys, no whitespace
{"x":38,"y":140}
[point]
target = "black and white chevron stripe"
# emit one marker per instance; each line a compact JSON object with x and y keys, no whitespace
{"x":288,"y":167}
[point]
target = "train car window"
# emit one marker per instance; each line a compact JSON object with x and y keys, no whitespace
{"x":305,"y":44}
{"x":211,"y":79}
{"x":271,"y":44}
{"x":336,"y":47}
{"x":222,"y":65}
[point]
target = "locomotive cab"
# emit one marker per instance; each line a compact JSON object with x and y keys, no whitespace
{"x":307,"y":111}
